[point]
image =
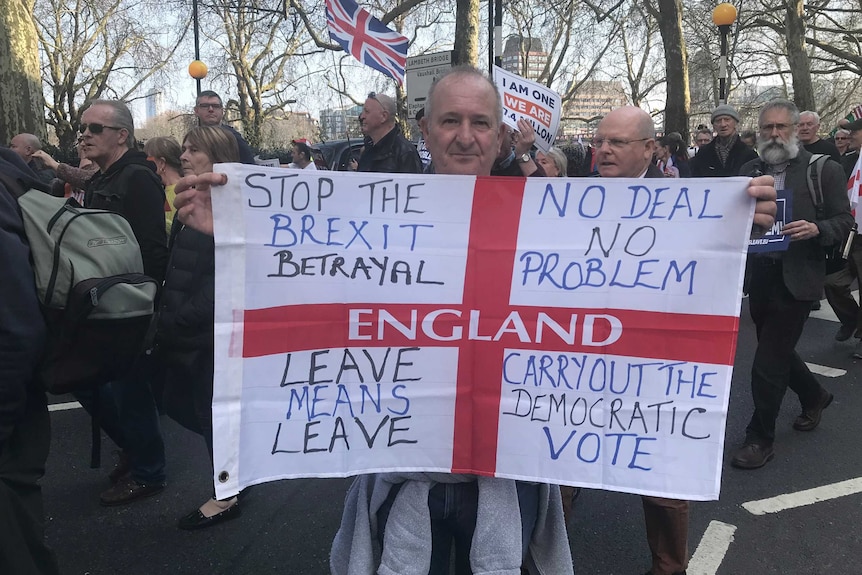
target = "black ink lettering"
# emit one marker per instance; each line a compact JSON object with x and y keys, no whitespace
{"x":393,"y":430}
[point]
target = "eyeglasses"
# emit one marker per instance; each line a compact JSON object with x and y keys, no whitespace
{"x":768,"y":128}
{"x":615,"y":143}
{"x":210,"y":106}
{"x":96,"y":128}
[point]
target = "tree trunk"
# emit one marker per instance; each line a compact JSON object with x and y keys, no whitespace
{"x":797,"y":57}
{"x":23,"y":105}
{"x":676,"y":64}
{"x":466,"y":32}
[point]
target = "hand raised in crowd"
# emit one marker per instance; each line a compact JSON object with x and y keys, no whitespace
{"x":762,"y":188}
{"x":524,"y":137}
{"x":194,"y":200}
{"x":46,"y":159}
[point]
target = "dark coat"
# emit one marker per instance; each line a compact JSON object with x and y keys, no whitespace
{"x":804,"y":262}
{"x":131,"y":188}
{"x":186,"y":307}
{"x":393,"y":154}
{"x":22,"y":328}
{"x":246,"y":154}
{"x":705,"y":164}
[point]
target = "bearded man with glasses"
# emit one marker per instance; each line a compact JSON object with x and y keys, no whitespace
{"x":126,"y":183}
{"x":782,"y":285}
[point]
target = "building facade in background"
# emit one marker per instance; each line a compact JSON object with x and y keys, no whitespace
{"x":524,"y":56}
{"x":340,"y":123}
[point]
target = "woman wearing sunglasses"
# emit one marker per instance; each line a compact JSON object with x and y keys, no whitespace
{"x":186,"y":316}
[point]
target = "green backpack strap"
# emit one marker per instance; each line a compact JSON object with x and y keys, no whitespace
{"x":814,"y":176}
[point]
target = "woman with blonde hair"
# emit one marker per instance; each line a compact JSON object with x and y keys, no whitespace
{"x":186,"y":317}
{"x":554,"y":162}
{"x":164,"y":152}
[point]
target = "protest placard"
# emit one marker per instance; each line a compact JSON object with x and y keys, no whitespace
{"x":532,"y":101}
{"x":772,"y":240}
{"x":573,"y":331}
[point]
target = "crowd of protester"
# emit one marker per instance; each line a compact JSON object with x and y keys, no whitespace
{"x":462,"y":134}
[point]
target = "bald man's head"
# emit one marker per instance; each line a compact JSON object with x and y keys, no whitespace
{"x":625,"y":143}
{"x":24,"y":145}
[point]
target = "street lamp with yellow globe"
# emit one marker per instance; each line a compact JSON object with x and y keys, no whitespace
{"x":723,"y":16}
{"x":198,"y":70}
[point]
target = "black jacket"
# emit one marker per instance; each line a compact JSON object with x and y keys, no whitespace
{"x":186,"y":307}
{"x":22,"y":328}
{"x":131,"y":188}
{"x":393,"y":154}
{"x":246,"y":154}
{"x":705,"y":164}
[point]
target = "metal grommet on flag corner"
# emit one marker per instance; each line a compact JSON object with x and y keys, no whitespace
{"x":223,"y":477}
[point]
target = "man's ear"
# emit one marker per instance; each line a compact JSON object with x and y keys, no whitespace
{"x":423,"y":127}
{"x":650,"y":147}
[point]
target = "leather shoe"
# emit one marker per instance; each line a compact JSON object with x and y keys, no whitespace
{"x":752,"y":456}
{"x":127,"y":490}
{"x":677,"y":573}
{"x":197,"y":520}
{"x":809,"y":419}
{"x":844,"y":332}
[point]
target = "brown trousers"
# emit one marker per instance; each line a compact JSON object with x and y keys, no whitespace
{"x":667,"y":534}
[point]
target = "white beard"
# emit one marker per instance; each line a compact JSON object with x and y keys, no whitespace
{"x":773,"y":151}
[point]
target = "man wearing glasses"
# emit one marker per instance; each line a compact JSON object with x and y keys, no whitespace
{"x":386,"y":148}
{"x":724,"y":155}
{"x":848,"y":150}
{"x":624,"y":146}
{"x":783,"y":284}
{"x":210,"y":112}
{"x":126,"y":183}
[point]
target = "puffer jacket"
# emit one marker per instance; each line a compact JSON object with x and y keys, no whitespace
{"x":186,"y":308}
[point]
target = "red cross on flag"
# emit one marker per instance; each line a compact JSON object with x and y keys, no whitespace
{"x":568,"y":331}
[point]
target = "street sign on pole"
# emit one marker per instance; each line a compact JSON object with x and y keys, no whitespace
{"x":420,"y":73}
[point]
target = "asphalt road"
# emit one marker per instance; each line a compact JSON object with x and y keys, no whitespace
{"x":287,"y":526}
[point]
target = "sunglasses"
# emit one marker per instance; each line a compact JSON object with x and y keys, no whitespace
{"x":210,"y":106}
{"x":96,"y":128}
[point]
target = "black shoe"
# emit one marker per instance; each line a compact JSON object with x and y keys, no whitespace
{"x":127,"y":490}
{"x":197,"y":520}
{"x":844,"y":332}
{"x":809,"y":419}
{"x":752,"y":455}
{"x":677,"y":573}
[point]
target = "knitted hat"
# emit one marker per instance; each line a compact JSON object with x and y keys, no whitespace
{"x":724,"y":110}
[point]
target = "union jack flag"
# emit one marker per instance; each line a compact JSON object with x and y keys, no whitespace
{"x":367,"y":38}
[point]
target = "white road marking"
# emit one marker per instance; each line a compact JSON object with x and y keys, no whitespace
{"x":826,"y":312}
{"x":64,"y":406}
{"x":826,"y":371}
{"x":806,"y":497}
{"x":712,"y":548}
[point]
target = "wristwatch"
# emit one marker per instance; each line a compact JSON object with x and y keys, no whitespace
{"x":525,"y":158}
